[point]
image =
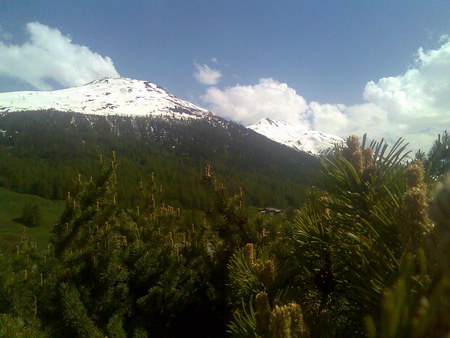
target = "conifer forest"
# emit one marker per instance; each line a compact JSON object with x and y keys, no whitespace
{"x":361,"y":249}
{"x":224,"y":169}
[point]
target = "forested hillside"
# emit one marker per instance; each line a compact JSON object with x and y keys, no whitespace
{"x":43,"y":152}
{"x":366,"y":255}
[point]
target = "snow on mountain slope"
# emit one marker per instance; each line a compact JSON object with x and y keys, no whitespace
{"x":109,"y":96}
{"x":299,"y":138}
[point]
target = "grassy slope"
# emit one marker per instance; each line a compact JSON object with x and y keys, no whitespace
{"x":11,"y":207}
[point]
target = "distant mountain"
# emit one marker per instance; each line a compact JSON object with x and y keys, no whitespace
{"x":299,"y":138}
{"x":48,"y":137}
{"x":109,"y":96}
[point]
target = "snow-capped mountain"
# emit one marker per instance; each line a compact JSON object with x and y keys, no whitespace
{"x":299,"y":138}
{"x":149,"y":129}
{"x":135,"y":98}
{"x":109,"y":96}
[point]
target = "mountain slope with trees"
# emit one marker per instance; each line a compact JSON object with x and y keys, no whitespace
{"x":367,"y":255}
{"x":42,"y":153}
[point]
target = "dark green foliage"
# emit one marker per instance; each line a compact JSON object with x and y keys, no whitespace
{"x":418,"y":303}
{"x":437,"y":162}
{"x":113,"y":271}
{"x":22,"y":290}
{"x":362,"y":246}
{"x":413,"y":306}
{"x":91,"y":248}
{"x":262,"y":320}
{"x":228,"y":215}
{"x":367,"y":254}
{"x":17,"y":327}
{"x":41,"y":152}
{"x":251,"y":271}
{"x":31,"y":215}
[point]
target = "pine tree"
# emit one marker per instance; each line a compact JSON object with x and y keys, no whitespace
{"x":91,"y":251}
{"x":418,"y":303}
{"x":367,"y":254}
{"x":437,"y":162}
{"x":344,"y":247}
{"x":22,"y":290}
{"x":262,"y":320}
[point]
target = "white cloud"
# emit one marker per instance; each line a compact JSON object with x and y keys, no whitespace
{"x":414,"y":105}
{"x":423,"y":90}
{"x":330,"y":117}
{"x":344,"y":120}
{"x":50,"y":55}
{"x":417,"y":103}
{"x":248,"y":104}
{"x":444,"y":38}
{"x":207,"y":75}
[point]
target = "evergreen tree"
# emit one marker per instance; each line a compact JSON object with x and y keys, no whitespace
{"x":92,"y":293}
{"x":353,"y":251}
{"x":367,"y":254}
{"x":23,"y":290}
{"x":31,"y":215}
{"x":418,"y":303}
{"x":437,"y":162}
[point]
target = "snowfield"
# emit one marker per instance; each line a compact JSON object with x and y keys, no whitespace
{"x":110,"y":96}
{"x":299,"y":138}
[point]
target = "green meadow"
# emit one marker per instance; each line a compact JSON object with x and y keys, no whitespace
{"x":11,"y":208}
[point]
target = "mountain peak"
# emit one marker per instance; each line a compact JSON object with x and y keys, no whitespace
{"x":278,"y":123}
{"x":106,"y":96}
{"x":272,"y":122}
{"x":297,"y":137}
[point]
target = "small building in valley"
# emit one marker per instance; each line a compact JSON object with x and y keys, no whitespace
{"x":270,"y":211}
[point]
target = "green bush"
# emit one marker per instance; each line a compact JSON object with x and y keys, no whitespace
{"x":31,"y":215}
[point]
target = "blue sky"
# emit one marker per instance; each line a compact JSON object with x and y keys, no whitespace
{"x":314,"y":58}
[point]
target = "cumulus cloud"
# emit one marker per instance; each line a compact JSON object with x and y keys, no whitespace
{"x":414,"y":105}
{"x":444,"y":38}
{"x":207,"y":75}
{"x":248,"y":104}
{"x":51,"y":55}
{"x":344,"y":120}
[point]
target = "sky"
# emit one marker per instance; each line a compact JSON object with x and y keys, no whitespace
{"x":337,"y":66}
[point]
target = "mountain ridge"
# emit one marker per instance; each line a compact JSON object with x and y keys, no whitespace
{"x":136,"y":98}
{"x":299,"y":138}
{"x":45,"y":141}
{"x":107,"y":96}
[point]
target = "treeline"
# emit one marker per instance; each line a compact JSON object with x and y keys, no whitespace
{"x":367,"y":255}
{"x":41,"y":153}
